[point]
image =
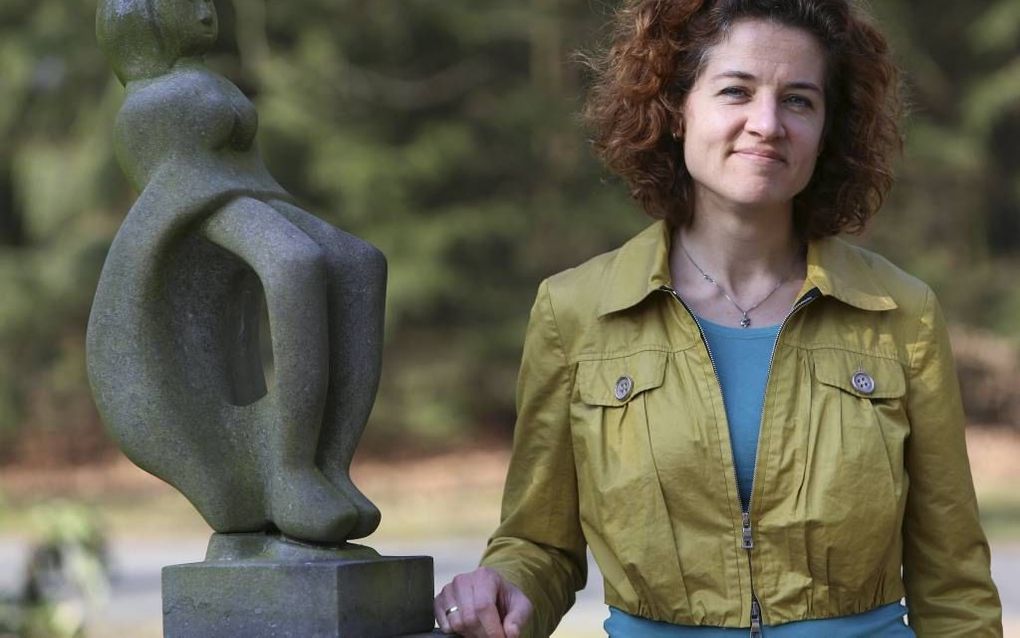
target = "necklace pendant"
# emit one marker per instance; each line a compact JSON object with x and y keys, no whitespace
{"x":745,"y":322}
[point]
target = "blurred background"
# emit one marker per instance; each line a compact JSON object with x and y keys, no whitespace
{"x":445,"y":133}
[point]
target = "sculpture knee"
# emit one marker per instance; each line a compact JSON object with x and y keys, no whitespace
{"x":358,"y":259}
{"x":279,"y":252}
{"x":345,"y":251}
{"x":373,"y":260}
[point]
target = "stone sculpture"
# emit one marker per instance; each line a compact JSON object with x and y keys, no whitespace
{"x":175,"y":364}
{"x":173,"y":339}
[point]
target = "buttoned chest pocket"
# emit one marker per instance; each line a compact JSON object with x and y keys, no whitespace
{"x":610,"y":424}
{"x":854,"y":465}
{"x":866,"y":393}
{"x":615,"y":382}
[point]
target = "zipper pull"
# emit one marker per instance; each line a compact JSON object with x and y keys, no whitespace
{"x":755,"y":618}
{"x":747,"y":542}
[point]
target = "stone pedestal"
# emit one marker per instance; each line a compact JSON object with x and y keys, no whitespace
{"x":265,"y":586}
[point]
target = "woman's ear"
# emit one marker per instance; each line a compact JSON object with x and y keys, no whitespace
{"x":678,"y":129}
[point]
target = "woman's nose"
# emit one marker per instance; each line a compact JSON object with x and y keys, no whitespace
{"x":765,"y":119}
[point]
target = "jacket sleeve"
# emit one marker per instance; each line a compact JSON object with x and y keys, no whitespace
{"x":946,"y":561}
{"x":539,"y":546}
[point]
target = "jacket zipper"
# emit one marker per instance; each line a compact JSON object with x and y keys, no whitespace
{"x":747,"y":535}
{"x":755,"y":617}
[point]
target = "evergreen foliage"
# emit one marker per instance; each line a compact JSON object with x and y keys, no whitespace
{"x":446,"y":134}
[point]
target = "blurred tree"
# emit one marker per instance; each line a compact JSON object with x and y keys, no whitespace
{"x":446,"y":134}
{"x":954,"y":217}
{"x":58,"y":186}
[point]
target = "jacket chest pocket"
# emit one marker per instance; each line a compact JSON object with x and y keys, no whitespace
{"x":854,"y":467}
{"x":866,"y":394}
{"x":609,"y":414}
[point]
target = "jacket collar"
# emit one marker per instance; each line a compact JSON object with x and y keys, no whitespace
{"x":836,"y":269}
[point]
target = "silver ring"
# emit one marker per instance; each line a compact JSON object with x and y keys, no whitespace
{"x":450,"y":610}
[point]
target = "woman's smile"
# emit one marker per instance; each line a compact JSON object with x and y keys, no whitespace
{"x":764,"y":155}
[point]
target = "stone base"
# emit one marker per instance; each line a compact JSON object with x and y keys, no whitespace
{"x":264,"y":586}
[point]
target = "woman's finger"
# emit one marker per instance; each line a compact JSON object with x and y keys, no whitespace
{"x":440,"y":605}
{"x":485,"y":589}
{"x":519,"y":610}
{"x":463,"y":620}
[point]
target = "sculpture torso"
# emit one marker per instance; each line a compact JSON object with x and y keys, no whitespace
{"x":190,"y":114}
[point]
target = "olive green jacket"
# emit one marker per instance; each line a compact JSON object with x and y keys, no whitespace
{"x":850,"y":486}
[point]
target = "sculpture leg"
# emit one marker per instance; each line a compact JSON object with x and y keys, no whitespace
{"x":301,"y":501}
{"x":356,"y":273}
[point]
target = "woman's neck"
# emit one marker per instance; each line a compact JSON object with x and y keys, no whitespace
{"x":738,"y":267}
{"x":738,"y":247}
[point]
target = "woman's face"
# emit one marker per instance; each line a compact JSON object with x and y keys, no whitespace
{"x":753,"y":121}
{"x":190,"y":24}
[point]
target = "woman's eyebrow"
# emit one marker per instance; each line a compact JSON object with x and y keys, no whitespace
{"x":802,"y":85}
{"x":734,"y":75}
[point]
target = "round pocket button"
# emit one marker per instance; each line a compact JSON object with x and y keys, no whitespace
{"x":624,"y":385}
{"x":863,"y":382}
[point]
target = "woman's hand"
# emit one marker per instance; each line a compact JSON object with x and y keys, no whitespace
{"x":482,"y":604}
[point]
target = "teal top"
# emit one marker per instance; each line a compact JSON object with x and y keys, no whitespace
{"x":742,"y":357}
{"x":883,"y":622}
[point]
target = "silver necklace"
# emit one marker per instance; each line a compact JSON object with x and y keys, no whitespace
{"x":745,"y":320}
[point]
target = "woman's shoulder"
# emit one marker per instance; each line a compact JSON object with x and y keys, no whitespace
{"x":583,"y":282}
{"x":853,"y":269}
{"x":612,"y":280}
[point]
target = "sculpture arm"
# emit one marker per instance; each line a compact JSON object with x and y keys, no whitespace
{"x":292,"y":271}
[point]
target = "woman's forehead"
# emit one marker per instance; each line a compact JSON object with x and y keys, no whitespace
{"x":766,"y":51}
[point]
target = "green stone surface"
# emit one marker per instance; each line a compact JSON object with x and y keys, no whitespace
{"x":212,"y":244}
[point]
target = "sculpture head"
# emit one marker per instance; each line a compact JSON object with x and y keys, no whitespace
{"x":144,"y":38}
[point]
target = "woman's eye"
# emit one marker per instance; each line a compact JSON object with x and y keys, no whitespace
{"x":735,"y":92}
{"x":800,"y":101}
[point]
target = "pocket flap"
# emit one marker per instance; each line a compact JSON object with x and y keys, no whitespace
{"x":861,"y":375}
{"x":612,"y":382}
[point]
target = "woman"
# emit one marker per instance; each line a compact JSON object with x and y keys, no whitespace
{"x":753,"y":425}
{"x":173,"y":337}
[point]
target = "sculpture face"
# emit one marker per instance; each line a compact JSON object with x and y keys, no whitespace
{"x":190,"y":25}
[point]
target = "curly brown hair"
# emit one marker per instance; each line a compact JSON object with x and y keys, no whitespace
{"x":659,"y":48}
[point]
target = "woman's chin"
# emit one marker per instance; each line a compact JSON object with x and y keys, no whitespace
{"x":759,"y":200}
{"x":750,"y":192}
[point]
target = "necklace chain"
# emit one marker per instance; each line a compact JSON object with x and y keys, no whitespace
{"x":745,"y":320}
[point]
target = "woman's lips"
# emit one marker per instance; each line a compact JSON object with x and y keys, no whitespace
{"x":760,"y":154}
